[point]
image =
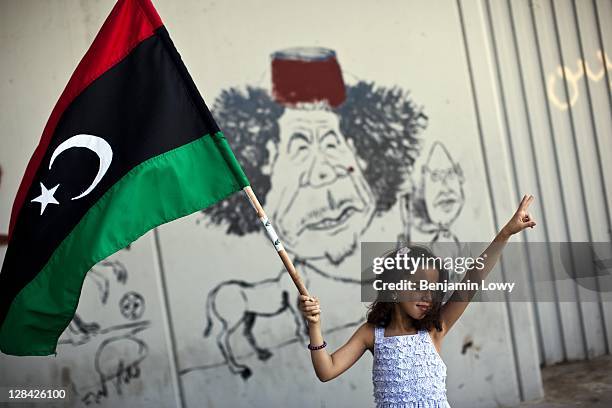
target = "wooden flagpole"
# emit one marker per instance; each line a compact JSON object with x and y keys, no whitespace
{"x":284,"y":256}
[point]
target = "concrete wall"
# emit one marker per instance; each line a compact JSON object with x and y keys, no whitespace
{"x":487,"y":76}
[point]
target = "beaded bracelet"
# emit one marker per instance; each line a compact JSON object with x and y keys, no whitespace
{"x":311,"y":347}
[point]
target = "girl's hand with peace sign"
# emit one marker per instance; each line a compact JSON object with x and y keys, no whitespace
{"x":521,"y":218}
{"x":460,"y":299}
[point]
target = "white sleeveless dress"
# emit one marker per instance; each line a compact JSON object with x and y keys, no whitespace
{"x":408,"y":372}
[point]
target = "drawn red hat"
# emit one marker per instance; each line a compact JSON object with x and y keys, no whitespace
{"x":307,"y":74}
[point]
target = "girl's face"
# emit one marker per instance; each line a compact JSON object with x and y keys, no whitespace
{"x":419,"y":302}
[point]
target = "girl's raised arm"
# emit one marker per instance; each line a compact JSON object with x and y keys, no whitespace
{"x":329,"y":366}
{"x":456,"y":305}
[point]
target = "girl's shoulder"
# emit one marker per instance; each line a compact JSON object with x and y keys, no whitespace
{"x":436,"y":338}
{"x":366,"y":334}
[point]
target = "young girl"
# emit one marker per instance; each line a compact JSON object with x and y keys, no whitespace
{"x":405,"y":336}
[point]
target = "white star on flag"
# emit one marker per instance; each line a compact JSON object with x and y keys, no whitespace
{"x":45,"y":197}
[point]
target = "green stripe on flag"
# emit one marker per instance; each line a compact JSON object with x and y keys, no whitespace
{"x":166,"y":187}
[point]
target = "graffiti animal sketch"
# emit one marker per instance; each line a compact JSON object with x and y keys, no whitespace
{"x":255,"y":302}
{"x":117,"y":362}
{"x":117,"y":351}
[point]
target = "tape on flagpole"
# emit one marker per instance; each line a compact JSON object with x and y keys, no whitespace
{"x":272,"y":233}
{"x":249,"y":200}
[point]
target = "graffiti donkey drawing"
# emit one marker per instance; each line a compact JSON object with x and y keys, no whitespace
{"x":327,"y":158}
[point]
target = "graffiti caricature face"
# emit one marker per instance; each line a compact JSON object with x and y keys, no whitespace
{"x":320,"y":200}
{"x":442,"y":186}
{"x":324,"y":157}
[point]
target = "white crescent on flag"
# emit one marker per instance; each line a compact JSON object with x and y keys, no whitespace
{"x":94,"y":143}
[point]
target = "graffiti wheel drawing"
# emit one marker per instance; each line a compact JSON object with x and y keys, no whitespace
{"x":132,"y":305}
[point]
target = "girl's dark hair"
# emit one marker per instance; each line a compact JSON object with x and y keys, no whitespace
{"x":380,"y":312}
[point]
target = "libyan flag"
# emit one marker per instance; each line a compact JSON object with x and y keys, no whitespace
{"x":129,"y":146}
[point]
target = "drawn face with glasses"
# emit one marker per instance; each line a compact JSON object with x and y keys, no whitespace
{"x":442,"y":186}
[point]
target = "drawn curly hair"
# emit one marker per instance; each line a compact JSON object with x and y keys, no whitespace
{"x":384,"y":125}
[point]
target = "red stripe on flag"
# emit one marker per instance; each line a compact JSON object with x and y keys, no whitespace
{"x":129,"y":23}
